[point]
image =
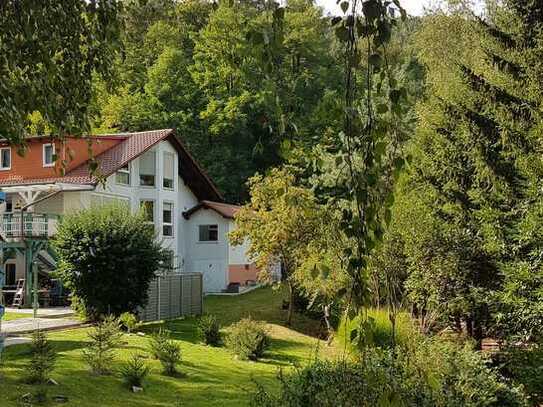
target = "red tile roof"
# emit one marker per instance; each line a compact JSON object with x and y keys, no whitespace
{"x":132,"y":146}
{"x":116,"y":157}
{"x":225,"y":210}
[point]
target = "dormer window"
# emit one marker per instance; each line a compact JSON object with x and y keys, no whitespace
{"x":48,"y":155}
{"x":5,"y":158}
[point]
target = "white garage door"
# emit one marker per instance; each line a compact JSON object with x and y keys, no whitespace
{"x":214,"y":275}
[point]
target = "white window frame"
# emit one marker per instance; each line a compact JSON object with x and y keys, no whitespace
{"x":154,"y":209}
{"x":208,"y":225}
{"x":164,"y":155}
{"x":154,"y":153}
{"x":104,"y":198}
{"x":170,"y":224}
{"x":52,"y":164}
{"x":2,"y":168}
{"x":123,"y":171}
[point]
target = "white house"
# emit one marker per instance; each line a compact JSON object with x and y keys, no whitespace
{"x":149,"y":170}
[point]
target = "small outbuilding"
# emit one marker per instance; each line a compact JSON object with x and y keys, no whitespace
{"x":222,"y":264}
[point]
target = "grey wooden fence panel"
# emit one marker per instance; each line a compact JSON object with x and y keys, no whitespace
{"x":174,"y":295}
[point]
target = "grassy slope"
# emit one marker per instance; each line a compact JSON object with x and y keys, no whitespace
{"x":213,"y":377}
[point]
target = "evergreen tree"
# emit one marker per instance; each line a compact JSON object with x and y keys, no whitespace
{"x":476,"y":165}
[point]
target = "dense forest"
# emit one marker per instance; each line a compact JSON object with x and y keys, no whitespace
{"x":204,"y":69}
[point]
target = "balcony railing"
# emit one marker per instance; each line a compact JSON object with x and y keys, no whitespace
{"x":33,"y":225}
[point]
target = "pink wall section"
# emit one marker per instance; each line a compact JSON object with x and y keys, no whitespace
{"x":241,"y":273}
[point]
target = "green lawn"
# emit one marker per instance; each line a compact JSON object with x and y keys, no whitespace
{"x":213,"y":376}
{"x":10,"y":316}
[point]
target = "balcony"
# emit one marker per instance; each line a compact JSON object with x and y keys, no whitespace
{"x":33,"y":225}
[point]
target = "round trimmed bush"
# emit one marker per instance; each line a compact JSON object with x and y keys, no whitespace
{"x":108,"y":257}
{"x":248,"y":339}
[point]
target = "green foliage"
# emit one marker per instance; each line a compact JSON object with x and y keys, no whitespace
{"x":374,"y":329}
{"x":128,"y":321}
{"x":209,"y":330}
{"x":64,"y":44}
{"x":167,"y":351}
{"x":280,"y":222}
{"x":355,"y":171}
{"x":248,"y":339}
{"x":158,"y":341}
{"x":108,"y":257}
{"x":170,"y":357}
{"x":134,"y":371}
{"x":233,"y":109}
{"x":524,"y":366}
{"x":42,"y":360}
{"x":100,"y":351}
{"x":469,"y":212}
{"x":434,"y":374}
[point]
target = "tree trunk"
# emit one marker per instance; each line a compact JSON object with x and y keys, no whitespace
{"x":290,"y":303}
{"x":469,"y":327}
{"x":478,"y":334}
{"x":328,"y":325}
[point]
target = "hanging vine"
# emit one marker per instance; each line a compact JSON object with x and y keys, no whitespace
{"x":369,"y":143}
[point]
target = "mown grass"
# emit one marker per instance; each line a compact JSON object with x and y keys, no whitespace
{"x":212,"y":376}
{"x":10,"y":316}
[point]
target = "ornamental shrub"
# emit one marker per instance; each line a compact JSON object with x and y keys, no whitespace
{"x":248,"y":339}
{"x":107,"y":258}
{"x":209,"y":330}
{"x":430,"y":374}
{"x":128,"y":321}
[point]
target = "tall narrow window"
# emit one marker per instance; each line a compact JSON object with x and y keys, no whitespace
{"x":5,"y":158}
{"x":122,"y":176}
{"x":148,"y":208}
{"x":147,"y":169}
{"x":167,"y":181}
{"x":48,"y":155}
{"x":167,"y":219}
{"x":208,"y":233}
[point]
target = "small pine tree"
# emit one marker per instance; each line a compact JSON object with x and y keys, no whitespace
{"x":167,"y":351}
{"x":134,"y":371}
{"x":104,"y":338}
{"x":43,"y":358}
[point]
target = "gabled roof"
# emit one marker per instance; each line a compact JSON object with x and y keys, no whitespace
{"x":227,"y":211}
{"x":131,"y":146}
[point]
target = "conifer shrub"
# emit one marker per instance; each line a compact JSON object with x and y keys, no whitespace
{"x":134,"y":371}
{"x":167,"y":351}
{"x":100,"y":351}
{"x":43,"y":358}
{"x":209,"y":330}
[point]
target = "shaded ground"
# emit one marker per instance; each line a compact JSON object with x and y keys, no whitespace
{"x":212,"y":376}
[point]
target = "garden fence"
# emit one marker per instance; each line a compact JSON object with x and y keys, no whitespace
{"x":174,"y":295}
